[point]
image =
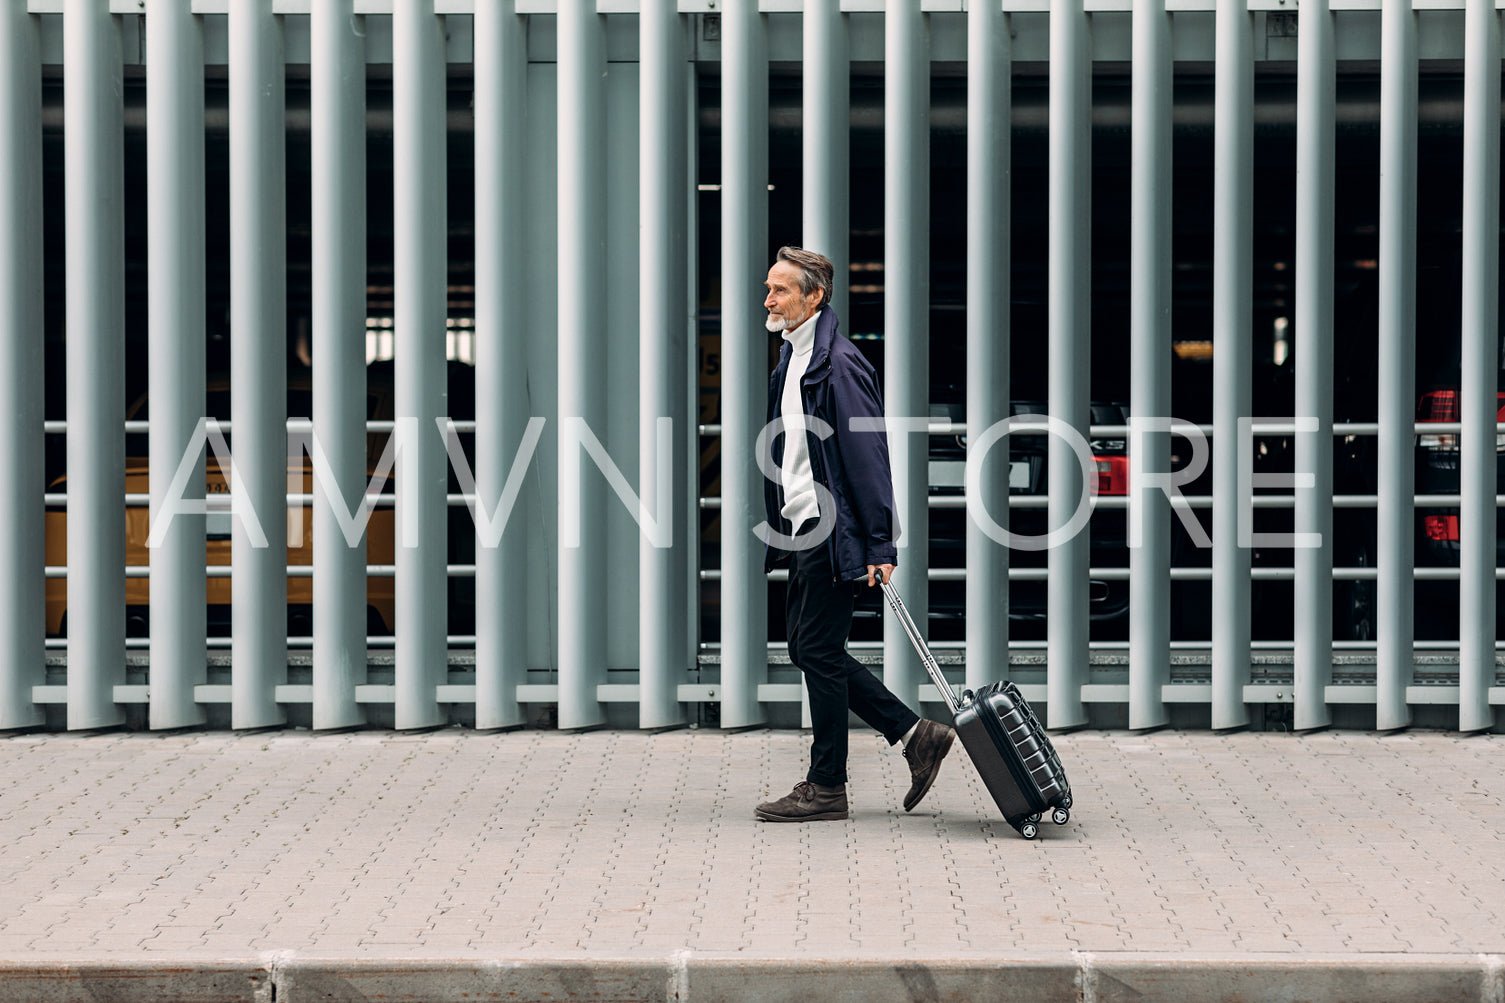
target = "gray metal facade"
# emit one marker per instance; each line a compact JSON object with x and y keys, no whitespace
{"x":622,"y":172}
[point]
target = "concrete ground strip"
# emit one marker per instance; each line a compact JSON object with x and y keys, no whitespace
{"x":626,"y":865}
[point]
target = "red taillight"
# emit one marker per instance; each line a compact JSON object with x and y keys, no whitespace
{"x":1112,"y":475}
{"x":1438,"y":405}
{"x":1442,"y":406}
{"x":1441,"y":528}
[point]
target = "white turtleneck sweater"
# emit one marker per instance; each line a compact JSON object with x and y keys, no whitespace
{"x":800,"y":502}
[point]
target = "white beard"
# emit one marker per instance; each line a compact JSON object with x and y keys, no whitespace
{"x":776,"y":323}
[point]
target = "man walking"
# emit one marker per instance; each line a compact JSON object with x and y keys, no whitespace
{"x":832,"y":512}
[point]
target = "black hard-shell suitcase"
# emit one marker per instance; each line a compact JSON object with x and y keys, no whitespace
{"x":1010,"y":749}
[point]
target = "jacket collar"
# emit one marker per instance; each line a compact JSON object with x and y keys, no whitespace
{"x":825,"y":336}
{"x":826,"y":326}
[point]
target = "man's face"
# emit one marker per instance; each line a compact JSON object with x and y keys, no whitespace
{"x":787,"y":306}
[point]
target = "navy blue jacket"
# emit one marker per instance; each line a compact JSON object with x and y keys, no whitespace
{"x":839,"y":385}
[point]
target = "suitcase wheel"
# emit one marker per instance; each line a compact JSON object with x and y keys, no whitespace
{"x":1029,"y":830}
{"x":1060,"y":816}
{"x":1035,"y":817}
{"x":1066,"y":800}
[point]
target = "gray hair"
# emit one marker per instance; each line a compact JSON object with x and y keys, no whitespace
{"x":816,"y":271}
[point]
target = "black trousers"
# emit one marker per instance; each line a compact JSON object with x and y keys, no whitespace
{"x":819,"y":618}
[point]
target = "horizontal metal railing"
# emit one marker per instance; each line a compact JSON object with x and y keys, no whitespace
{"x":1185,"y":646}
{"x":293,"y":570}
{"x":60,"y":426}
{"x":1179,"y":574}
{"x":1111,"y":503}
{"x":303,"y":8}
{"x":1257,"y":428}
{"x":225,"y":425}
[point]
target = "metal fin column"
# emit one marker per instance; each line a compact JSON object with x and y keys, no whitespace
{"x":744,"y":359}
{"x":664,"y":323}
{"x":1070,"y":299}
{"x":337,"y":85}
{"x":22,"y":350}
{"x":1232,"y":357}
{"x":93,"y":138}
{"x":176,"y":351}
{"x":1316,"y":92}
{"x":1478,"y":403}
{"x":989,"y":217}
{"x":827,"y":143}
{"x":420,"y":265}
{"x":1150,"y":377}
{"x":258,"y":352}
{"x":1396,"y":512}
{"x":906,"y":320}
{"x":501,"y":67}
{"x":582,"y":353}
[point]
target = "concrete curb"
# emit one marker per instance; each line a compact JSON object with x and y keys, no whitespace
{"x":1080,"y":978}
{"x":182,"y":981}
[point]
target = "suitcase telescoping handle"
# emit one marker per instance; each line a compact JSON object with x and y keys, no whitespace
{"x":918,"y":640}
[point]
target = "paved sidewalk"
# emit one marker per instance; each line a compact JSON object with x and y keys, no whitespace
{"x":623,"y":865}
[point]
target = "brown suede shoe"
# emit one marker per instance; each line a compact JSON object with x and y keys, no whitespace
{"x":807,"y":803}
{"x":925,"y":751}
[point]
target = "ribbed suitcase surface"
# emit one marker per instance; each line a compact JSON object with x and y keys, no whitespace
{"x":1005,"y":740}
{"x":1018,"y":736}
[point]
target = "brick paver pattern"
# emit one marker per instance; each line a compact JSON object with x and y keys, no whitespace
{"x":609,"y":844}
